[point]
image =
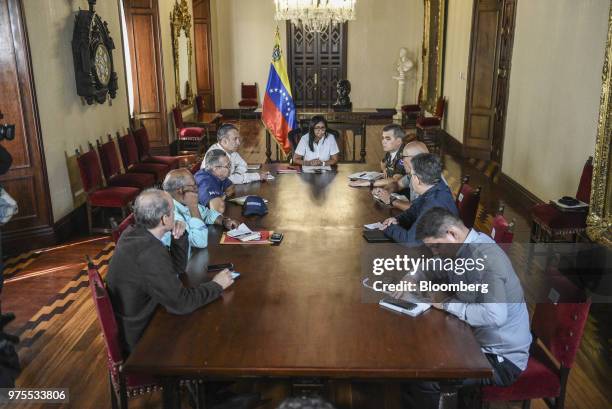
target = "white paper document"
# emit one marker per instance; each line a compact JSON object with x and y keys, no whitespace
{"x":315,"y":169}
{"x":366,"y":176}
{"x":243,"y":233}
{"x":255,"y":166}
{"x":373,"y":226}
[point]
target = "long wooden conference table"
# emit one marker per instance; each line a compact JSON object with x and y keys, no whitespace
{"x":297,"y":310}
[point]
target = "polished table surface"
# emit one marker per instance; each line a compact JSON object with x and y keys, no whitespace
{"x":297,"y":310}
{"x":205,"y":118}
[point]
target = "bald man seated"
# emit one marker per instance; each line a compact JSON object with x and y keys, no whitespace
{"x":182,"y":186}
{"x":143,"y":274}
{"x":402,"y":186}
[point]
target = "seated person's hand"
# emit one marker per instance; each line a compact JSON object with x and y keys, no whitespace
{"x":229,"y":224}
{"x":230,"y":191}
{"x":382,"y":195}
{"x":392,"y":187}
{"x":179,"y":229}
{"x":359,"y":183}
{"x":217,"y":204}
{"x":224,"y":278}
{"x":388,"y":222}
{"x":314,"y":162}
{"x":263,"y":176}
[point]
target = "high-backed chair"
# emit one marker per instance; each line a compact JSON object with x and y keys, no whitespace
{"x":429,"y":128}
{"x":411,"y":112}
{"x":122,"y":386}
{"x":131,"y":161}
{"x":550,"y":224}
{"x":112,"y":169}
{"x":97,"y":194}
{"x":120,"y":228}
{"x":248,"y":95}
{"x":467,"y":202}
{"x":557,"y":330}
{"x":502,"y":231}
{"x":141,"y":136}
{"x":188,"y":136}
{"x":199,"y":103}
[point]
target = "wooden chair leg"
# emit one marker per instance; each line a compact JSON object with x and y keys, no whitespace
{"x":526,"y":404}
{"x":113,"y":394}
{"x":89,"y":218}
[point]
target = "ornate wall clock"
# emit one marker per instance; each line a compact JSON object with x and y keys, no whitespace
{"x":92,"y":48}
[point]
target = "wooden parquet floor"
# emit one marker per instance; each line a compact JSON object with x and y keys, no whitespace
{"x":61,"y":344}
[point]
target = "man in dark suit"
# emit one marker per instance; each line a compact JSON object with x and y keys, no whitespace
{"x":426,"y":181}
{"x":143,"y":274}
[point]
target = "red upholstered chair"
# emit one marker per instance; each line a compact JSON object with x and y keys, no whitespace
{"x":112,"y":169}
{"x":131,"y":161}
{"x":98,"y":196}
{"x":502,"y":231}
{"x":429,"y":128}
{"x":141,"y":136}
{"x":411,"y":112}
{"x":557,"y":329}
{"x":467,"y":202}
{"x":196,"y":166}
{"x":119,"y":229}
{"x":190,"y":136}
{"x":122,"y":386}
{"x":248,"y":98}
{"x":199,"y":103}
{"x":549,"y":224}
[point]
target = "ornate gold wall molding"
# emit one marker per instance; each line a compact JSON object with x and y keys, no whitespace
{"x":599,"y":221}
{"x":180,"y":21}
{"x":433,"y":51}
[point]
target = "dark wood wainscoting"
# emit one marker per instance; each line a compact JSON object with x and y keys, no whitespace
{"x":26,"y":180}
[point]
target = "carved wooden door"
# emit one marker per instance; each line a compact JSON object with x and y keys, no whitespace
{"x":203,"y":53}
{"x":26,"y":180}
{"x":489,"y":72}
{"x":142,"y":21}
{"x":317,"y":61}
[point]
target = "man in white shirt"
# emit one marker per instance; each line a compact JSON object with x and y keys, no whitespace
{"x":228,"y":140}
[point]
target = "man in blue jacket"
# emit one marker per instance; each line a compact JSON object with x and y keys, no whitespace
{"x":426,"y":181}
{"x":213,"y":180}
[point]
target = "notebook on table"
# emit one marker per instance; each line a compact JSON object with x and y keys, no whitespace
{"x":375,"y":236}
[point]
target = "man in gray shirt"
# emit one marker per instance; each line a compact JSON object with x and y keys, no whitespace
{"x":498,"y":315}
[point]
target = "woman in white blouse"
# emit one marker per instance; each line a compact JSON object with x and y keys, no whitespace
{"x":317,"y":147}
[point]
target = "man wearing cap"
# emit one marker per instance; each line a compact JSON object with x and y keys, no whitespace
{"x":213,"y":182}
{"x":229,"y":141}
{"x":181,"y":185}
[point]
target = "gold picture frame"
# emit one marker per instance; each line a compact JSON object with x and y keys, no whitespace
{"x":433,"y":51}
{"x":180,"y":22}
{"x":599,"y":221}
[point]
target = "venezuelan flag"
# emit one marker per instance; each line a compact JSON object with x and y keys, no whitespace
{"x":279,"y":114}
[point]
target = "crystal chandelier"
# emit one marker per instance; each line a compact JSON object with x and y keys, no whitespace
{"x":315,"y":15}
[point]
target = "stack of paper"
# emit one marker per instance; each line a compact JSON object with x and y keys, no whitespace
{"x":373,"y":226}
{"x":243,"y":233}
{"x":287,"y":169}
{"x":240,"y":200}
{"x":400,"y":197}
{"x":366,"y":176}
{"x":316,"y":169}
